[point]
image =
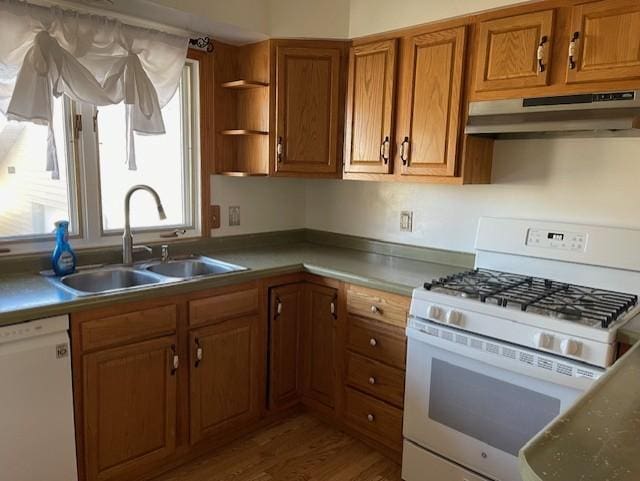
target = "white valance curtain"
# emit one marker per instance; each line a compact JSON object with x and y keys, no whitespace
{"x":46,"y":52}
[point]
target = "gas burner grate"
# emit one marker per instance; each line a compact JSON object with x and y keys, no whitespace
{"x":541,"y":296}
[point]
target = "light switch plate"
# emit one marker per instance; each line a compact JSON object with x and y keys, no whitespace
{"x":215,"y":216}
{"x":234,"y":215}
{"x":406,"y":221}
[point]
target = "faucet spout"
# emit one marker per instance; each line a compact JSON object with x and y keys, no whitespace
{"x":127,"y":238}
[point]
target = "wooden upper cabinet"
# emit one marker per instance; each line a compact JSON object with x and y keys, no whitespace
{"x":224,"y":376}
{"x":319,"y":346}
{"x":430,"y":110}
{"x":370,"y":107}
{"x":605,"y":41}
{"x":308,"y":110}
{"x":286,"y":310}
{"x":514,"y":52}
{"x":129,"y":404}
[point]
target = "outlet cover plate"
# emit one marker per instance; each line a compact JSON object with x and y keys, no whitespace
{"x":406,"y":221}
{"x":234,"y":215}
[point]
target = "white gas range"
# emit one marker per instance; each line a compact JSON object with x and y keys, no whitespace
{"x":496,"y":353}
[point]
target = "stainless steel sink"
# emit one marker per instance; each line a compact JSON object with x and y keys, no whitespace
{"x":190,"y":267}
{"x":107,"y":279}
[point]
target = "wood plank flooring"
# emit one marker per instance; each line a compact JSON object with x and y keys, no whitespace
{"x":300,"y":448}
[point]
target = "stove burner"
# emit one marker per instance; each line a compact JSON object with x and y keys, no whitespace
{"x":541,"y":296}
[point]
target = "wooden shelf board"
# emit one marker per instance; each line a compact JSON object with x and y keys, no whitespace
{"x":243,"y":174}
{"x":244,"y":84}
{"x":243,"y":132}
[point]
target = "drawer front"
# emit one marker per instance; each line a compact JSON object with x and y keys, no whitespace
{"x":375,"y":418}
{"x":224,"y":306}
{"x":375,"y":378}
{"x":377,"y":341}
{"x":381,"y":306}
{"x":132,"y":326}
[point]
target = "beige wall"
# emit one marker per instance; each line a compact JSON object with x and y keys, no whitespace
{"x":373,"y":16}
{"x":309,"y":18}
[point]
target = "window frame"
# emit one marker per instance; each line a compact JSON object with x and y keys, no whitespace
{"x":84,"y":178}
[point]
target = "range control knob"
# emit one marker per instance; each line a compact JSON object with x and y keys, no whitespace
{"x":433,"y":312}
{"x":454,"y":318}
{"x":543,"y":340}
{"x":570,"y":347}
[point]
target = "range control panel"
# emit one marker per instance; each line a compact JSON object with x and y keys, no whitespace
{"x":562,"y":240}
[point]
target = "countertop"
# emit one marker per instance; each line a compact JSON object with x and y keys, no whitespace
{"x":598,"y":438}
{"x":30,"y":296}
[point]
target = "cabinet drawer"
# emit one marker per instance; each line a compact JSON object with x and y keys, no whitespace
{"x":375,"y":418}
{"x":128,"y":327}
{"x":382,"y":306}
{"x":377,"y":341}
{"x":377,"y":379}
{"x":223,"y":306}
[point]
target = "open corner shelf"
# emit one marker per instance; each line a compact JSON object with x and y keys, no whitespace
{"x":243,"y":132}
{"x":244,"y":84}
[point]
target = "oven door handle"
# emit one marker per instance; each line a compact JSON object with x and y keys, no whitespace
{"x":499,"y":357}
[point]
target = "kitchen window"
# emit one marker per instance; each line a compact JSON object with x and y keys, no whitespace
{"x":94,"y":176}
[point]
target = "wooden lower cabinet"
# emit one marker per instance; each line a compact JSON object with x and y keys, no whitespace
{"x":285,"y":376}
{"x":129,"y":408}
{"x":319,"y":344}
{"x":225,"y":377}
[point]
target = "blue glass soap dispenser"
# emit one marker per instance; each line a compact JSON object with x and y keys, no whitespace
{"x":63,"y":259}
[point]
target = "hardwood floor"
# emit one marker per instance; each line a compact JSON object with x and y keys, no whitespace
{"x":300,"y":448}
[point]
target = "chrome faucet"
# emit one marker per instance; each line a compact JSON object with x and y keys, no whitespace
{"x":127,"y":238}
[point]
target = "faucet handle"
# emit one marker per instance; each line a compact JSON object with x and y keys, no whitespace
{"x":140,"y":248}
{"x":164,"y":249}
{"x":173,"y":233}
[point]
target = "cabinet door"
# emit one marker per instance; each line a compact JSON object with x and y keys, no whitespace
{"x":284,"y":344}
{"x":319,"y":347}
{"x":431,"y":102}
{"x":605,"y":41}
{"x":129,"y":408}
{"x":308,"y":97}
{"x":514,"y":52}
{"x":224,"y":376}
{"x":370,"y":107}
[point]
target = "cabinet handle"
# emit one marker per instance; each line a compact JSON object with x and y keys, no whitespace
{"x":573,"y":50}
{"x":404,"y":151}
{"x":384,"y":150}
{"x":278,"y":308}
{"x":372,"y":380}
{"x":371,"y":418}
{"x":279,"y":149}
{"x":176,"y":360}
{"x":373,"y":342}
{"x":333,"y":308}
{"x":540,"y":54}
{"x":199,"y":352}
{"x":376,"y":310}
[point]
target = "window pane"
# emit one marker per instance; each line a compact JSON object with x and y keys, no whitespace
{"x":30,"y":201}
{"x":160,"y":163}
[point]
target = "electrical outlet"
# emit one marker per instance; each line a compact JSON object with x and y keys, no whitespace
{"x":406,"y":221}
{"x":234,"y":215}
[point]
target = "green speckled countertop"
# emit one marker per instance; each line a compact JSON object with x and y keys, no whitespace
{"x":31,"y":296}
{"x":598,"y":438}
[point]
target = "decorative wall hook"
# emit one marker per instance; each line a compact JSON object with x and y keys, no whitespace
{"x":202,"y":43}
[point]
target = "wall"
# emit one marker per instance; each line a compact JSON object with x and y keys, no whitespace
{"x":374,"y":16}
{"x":576,"y":180}
{"x":309,"y":18}
{"x":266,"y":204}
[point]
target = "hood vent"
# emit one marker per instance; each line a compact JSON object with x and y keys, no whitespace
{"x":609,"y":114}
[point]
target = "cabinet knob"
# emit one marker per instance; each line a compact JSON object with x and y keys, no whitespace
{"x":373,"y":342}
{"x":376,"y":310}
{"x":370,"y":418}
{"x":372,"y":380}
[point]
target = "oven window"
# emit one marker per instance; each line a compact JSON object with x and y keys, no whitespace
{"x":490,"y":410}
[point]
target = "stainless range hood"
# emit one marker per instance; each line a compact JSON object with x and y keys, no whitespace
{"x":609,"y":114}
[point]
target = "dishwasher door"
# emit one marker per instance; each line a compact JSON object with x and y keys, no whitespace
{"x":37,"y":436}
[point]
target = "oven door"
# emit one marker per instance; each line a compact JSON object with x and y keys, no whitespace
{"x":478,"y":407}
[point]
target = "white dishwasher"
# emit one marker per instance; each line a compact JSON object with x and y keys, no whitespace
{"x":37,"y":435}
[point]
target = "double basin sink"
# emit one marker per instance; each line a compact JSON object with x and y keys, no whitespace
{"x":118,"y":278}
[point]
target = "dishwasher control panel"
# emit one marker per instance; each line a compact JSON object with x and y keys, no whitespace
{"x":30,"y":329}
